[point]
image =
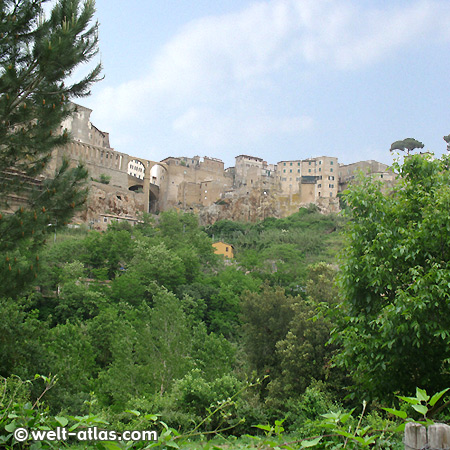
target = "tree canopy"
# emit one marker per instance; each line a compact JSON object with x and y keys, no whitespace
{"x":395,"y":279}
{"x":408,"y":145}
{"x":37,"y":57}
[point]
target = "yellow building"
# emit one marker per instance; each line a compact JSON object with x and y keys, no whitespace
{"x":222,"y":248}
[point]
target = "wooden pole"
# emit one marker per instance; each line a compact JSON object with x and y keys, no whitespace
{"x":439,"y":436}
{"x":415,"y":436}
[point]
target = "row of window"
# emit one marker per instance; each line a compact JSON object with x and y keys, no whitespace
{"x":309,"y":171}
{"x":320,"y":169}
{"x":309,"y":163}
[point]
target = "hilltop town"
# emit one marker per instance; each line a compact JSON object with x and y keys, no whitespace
{"x":124,"y":186}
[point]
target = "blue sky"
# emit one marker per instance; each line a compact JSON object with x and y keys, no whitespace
{"x":277,"y":79}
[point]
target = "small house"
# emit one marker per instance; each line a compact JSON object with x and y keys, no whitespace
{"x":222,"y":248}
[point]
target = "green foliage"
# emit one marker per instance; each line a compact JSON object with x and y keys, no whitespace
{"x":152,"y":350}
{"x":207,"y":348}
{"x":70,"y":353}
{"x":151,"y":320}
{"x":302,"y":411}
{"x":20,"y":349}
{"x":37,"y":56}
{"x":195,"y":395}
{"x":266,"y":317}
{"x":335,"y":429}
{"x":156,"y":263}
{"x":111,"y":251}
{"x":105,"y":179}
{"x":224,"y":306}
{"x":394,"y":280}
{"x":279,"y":250}
{"x":407,"y":145}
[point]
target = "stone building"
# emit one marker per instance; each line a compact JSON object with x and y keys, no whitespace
{"x":251,"y":190}
{"x":120,"y":183}
{"x":247,"y":171}
{"x":82,"y":130}
{"x":311,"y":178}
{"x":289,"y":175}
{"x":348,"y":173}
{"x":194,"y":182}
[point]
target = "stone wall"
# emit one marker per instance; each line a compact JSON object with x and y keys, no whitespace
{"x":186,"y":183}
{"x":252,"y":190}
{"x":110,"y":200}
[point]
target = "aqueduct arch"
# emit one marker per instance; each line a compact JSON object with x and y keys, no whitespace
{"x":151,"y":189}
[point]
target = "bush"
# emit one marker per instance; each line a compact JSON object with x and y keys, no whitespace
{"x":105,"y":179}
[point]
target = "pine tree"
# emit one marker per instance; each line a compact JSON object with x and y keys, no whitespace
{"x":37,"y":57}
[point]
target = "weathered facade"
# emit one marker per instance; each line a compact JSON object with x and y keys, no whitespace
{"x":194,"y":182}
{"x":124,"y":186}
{"x":121,"y":185}
{"x":348,"y":173}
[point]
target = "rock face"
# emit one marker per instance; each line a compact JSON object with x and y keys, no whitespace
{"x":104,"y":199}
{"x":258,"y":205}
{"x":120,"y":204}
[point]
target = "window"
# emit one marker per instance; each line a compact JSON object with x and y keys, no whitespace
{"x":290,"y":164}
{"x":331,"y":163}
{"x":105,"y":219}
{"x":309,"y":170}
{"x":320,"y":162}
{"x":226,"y":249}
{"x":331,"y":194}
{"x":319,"y":185}
{"x":319,"y":194}
{"x":298,"y":164}
{"x":290,"y":171}
{"x":284,"y":170}
{"x":310,"y":163}
{"x":284,"y":164}
{"x":331,"y":186}
{"x":331,"y":170}
{"x":320,"y":169}
{"x":298,"y":170}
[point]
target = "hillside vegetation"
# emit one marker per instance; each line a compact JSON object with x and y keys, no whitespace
{"x":149,"y":317}
{"x":146,"y":327}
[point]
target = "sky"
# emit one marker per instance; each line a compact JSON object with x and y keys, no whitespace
{"x":276,"y":79}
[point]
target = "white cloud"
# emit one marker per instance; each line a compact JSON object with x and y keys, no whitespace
{"x":215,"y":60}
{"x":218,"y":130}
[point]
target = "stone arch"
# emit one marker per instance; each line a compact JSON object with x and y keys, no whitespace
{"x":136,"y":169}
{"x":151,"y":195}
{"x":156,"y":175}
